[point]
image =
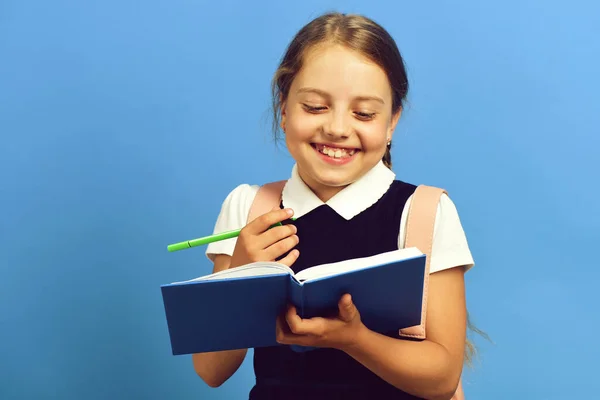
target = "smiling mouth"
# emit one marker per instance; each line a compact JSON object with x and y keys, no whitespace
{"x":335,"y":152}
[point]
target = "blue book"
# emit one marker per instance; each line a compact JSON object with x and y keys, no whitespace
{"x":237,"y":308}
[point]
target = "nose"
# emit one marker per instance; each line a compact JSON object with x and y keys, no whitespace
{"x":337,"y":126}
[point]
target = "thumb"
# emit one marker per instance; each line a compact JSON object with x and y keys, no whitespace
{"x":347,"y":308}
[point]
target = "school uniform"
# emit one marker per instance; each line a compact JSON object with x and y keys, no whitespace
{"x":366,"y":218}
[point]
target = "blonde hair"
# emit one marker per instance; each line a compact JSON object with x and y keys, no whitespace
{"x":365,"y":36}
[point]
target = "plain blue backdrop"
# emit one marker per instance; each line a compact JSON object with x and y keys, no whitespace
{"x":124,"y":125}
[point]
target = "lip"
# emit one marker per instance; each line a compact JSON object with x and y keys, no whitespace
{"x":334,"y":146}
{"x":331,"y":160}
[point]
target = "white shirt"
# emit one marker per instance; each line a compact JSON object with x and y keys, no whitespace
{"x":449,"y":249}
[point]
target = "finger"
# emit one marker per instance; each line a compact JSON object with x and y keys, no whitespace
{"x":347,"y":309}
{"x":283,"y":246}
{"x":290,"y":258}
{"x":284,"y":335}
{"x":305,"y":327}
{"x":265,"y":221}
{"x":281,"y":329}
{"x":292,"y":319}
{"x":275,"y":234}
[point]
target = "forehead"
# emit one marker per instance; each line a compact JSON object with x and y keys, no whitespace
{"x":342,"y":72}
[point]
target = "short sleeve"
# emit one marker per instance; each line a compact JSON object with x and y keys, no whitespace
{"x":450,"y":247}
{"x":233,"y":215}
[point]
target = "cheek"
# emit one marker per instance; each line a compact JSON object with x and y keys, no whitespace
{"x":301,"y":128}
{"x":374,"y":138}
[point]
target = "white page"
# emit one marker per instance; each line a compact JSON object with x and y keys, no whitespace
{"x":262,"y":268}
{"x":324,"y":270}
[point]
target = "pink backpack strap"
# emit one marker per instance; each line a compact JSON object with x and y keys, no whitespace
{"x":419,"y":234}
{"x":267,"y":197}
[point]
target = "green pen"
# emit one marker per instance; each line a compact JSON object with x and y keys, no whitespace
{"x":188,"y":244}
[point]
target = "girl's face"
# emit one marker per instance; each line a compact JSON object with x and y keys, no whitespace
{"x":337,"y":118}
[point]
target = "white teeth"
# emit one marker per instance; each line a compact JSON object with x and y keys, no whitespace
{"x":335,"y":152}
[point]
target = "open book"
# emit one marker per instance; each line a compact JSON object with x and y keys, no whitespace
{"x":237,"y":308}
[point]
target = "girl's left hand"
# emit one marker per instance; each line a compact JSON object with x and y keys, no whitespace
{"x":339,"y":333}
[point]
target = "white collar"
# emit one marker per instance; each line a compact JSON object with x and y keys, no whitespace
{"x":349,"y":202}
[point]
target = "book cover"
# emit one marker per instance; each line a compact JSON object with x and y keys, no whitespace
{"x":237,"y":310}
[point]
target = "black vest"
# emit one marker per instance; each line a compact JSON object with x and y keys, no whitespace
{"x":326,"y":237}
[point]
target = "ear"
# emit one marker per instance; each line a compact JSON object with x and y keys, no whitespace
{"x":394,"y":122}
{"x":283,"y":114}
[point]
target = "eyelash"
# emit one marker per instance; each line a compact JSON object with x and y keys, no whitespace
{"x":361,"y":115}
{"x":365,"y":116}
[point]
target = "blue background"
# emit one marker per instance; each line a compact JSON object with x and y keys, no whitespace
{"x":124,"y":124}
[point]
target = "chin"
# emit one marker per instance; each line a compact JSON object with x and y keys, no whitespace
{"x":323,"y":171}
{"x":334,"y":178}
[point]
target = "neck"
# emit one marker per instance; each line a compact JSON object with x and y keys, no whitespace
{"x":324,"y":193}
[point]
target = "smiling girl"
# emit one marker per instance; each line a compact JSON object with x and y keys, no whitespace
{"x":338,"y":95}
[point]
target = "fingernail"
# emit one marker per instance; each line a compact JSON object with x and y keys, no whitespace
{"x":289,"y":211}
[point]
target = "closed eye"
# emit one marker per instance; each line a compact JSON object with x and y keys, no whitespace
{"x":364,"y":116}
{"x":314,"y":109}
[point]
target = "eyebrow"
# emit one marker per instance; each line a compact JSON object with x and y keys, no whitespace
{"x":327,"y":95}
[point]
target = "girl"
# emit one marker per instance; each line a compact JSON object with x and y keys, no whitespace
{"x":337,"y":96}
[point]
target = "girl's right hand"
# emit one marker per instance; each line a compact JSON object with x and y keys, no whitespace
{"x":256,"y":242}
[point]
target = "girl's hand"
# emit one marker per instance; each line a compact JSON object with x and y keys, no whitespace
{"x":339,"y":333}
{"x":256,"y":242}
